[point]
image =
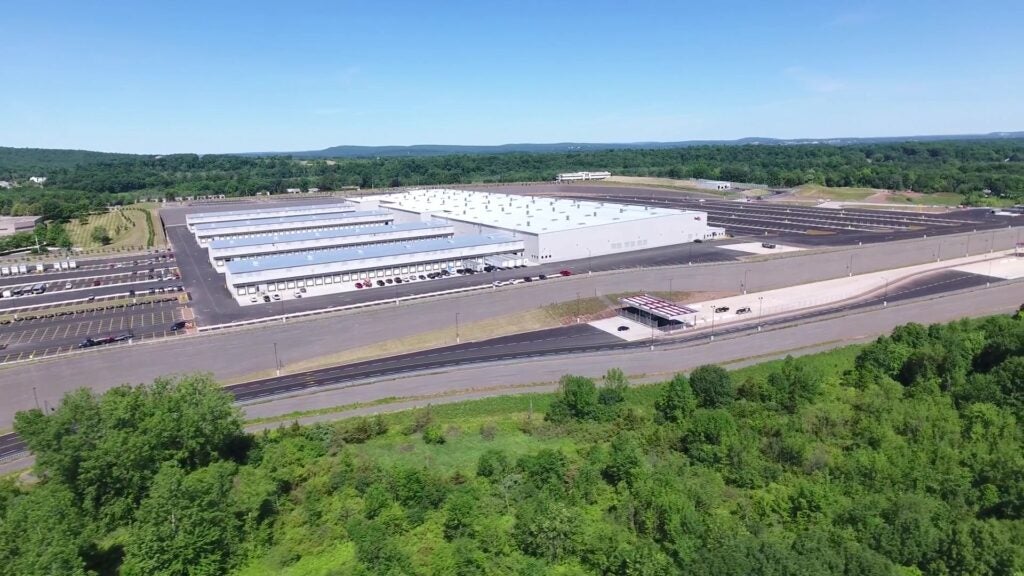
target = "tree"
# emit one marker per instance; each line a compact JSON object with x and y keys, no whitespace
{"x":712,"y":386}
{"x":100,"y":235}
{"x":547,"y":529}
{"x":614,"y":389}
{"x":576,"y":400}
{"x":185,"y":524}
{"x":625,"y":459}
{"x":43,"y":533}
{"x":107,"y":449}
{"x":678,"y":401}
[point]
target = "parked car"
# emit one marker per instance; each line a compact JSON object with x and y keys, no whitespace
{"x":398,"y":280}
{"x":68,"y":285}
{"x":179,"y":325}
{"x":744,"y":310}
{"x":96,"y":282}
{"x":622,"y":328}
{"x":389,"y":280}
{"x":253,"y":299}
{"x":277,"y":297}
{"x":565,"y":273}
{"x":527,"y":278}
{"x":722,"y":309}
{"x":380,"y":283}
{"x":266,"y":298}
{"x":768,"y":245}
{"x":542,"y":277}
{"x":698,"y":240}
{"x":297,"y":294}
{"x":303,"y":290}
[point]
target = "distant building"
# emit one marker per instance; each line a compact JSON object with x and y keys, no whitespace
{"x":714,"y":184}
{"x":313,"y":190}
{"x":575,"y":176}
{"x":5,"y":184}
{"x":293,"y":190}
{"x":38,"y":180}
{"x":13,"y":224}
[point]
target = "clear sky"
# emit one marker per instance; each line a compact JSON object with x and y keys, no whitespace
{"x":227,"y":76}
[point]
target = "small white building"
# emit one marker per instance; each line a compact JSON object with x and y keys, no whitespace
{"x":6,"y":184}
{"x":714,"y":184}
{"x":293,"y":190}
{"x":40,"y":180}
{"x":576,"y":176}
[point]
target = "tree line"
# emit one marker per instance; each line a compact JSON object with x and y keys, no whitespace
{"x":964,"y":167}
{"x":910,"y":462}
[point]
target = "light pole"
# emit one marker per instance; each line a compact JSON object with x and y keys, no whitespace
{"x":849,"y":267}
{"x":760,"y":308}
{"x":277,"y":361}
{"x":744,"y":286}
{"x":885,"y":297}
{"x":457,"y":338}
{"x":590,"y":262}
{"x":36,"y":397}
{"x":670,"y":288}
{"x":712,"y":321}
{"x":577,"y":307}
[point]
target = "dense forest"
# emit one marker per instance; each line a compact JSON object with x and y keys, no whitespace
{"x":965,"y":167}
{"x":905,"y":458}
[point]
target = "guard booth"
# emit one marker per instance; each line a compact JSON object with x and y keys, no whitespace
{"x":657,"y":313}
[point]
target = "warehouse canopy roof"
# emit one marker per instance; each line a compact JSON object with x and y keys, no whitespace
{"x":263,"y":239}
{"x":255,"y":212}
{"x":658,"y":307}
{"x":533,"y":214}
{"x":338,"y":255}
{"x":289,"y":219}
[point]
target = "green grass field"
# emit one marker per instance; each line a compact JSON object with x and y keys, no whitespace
{"x":825,"y":193}
{"x":126,"y":228}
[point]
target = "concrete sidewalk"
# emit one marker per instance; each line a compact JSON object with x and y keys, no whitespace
{"x":1003,"y":264}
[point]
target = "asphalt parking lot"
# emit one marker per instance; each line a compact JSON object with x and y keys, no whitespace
{"x":38,"y":337}
{"x":804,"y":225}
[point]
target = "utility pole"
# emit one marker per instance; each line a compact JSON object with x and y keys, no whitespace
{"x":577,"y":307}
{"x":744,"y":286}
{"x":34,"y":395}
{"x":457,"y":338}
{"x":885,"y":297}
{"x":849,"y":267}
{"x":712,"y":321}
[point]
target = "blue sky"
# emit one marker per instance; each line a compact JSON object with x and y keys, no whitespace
{"x":226,"y":76}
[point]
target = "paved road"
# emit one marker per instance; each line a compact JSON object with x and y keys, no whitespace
{"x":240,"y":353}
{"x":581,"y":339}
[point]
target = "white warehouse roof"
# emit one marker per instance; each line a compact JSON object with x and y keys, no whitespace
{"x":268,"y":212}
{"x":341,"y":255}
{"x":531,"y":214}
{"x":311,"y":218}
{"x":265,"y":239}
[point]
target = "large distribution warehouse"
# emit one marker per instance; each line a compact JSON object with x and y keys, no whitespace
{"x":375,"y":241}
{"x":552,"y":229}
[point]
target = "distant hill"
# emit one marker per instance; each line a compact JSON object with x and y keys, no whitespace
{"x":444,"y":149}
{"x":24,"y":160}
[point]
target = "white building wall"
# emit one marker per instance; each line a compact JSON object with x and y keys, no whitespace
{"x":617,"y":237}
